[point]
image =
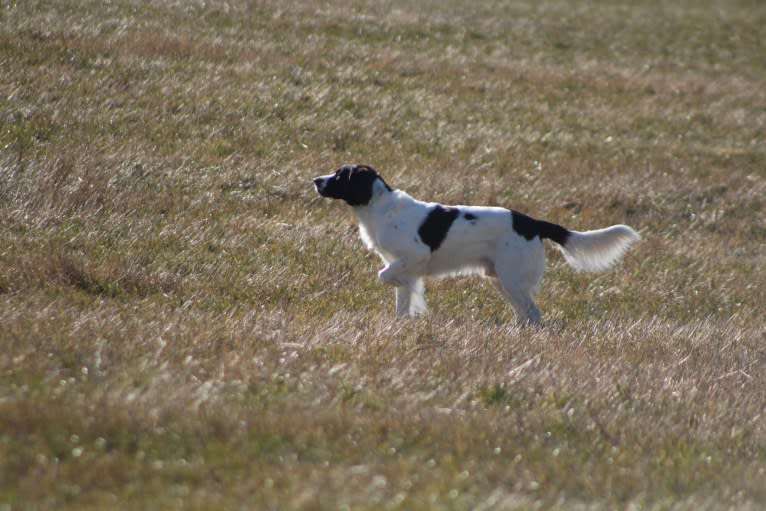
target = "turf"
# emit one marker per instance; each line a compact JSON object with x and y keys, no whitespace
{"x":185,"y":324}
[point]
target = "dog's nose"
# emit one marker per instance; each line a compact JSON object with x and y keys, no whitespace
{"x":319,"y":183}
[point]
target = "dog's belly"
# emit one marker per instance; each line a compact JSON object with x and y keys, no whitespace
{"x":469,"y":259}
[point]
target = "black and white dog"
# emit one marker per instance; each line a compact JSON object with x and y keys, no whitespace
{"x":419,"y":239}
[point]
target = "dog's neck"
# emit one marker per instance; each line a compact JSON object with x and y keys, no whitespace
{"x":372,"y":213}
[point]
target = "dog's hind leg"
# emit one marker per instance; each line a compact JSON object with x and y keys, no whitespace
{"x":519,"y":266}
{"x":527,"y":312}
{"x":524,"y":306}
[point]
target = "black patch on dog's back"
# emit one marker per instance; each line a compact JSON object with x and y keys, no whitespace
{"x":471,"y":218}
{"x":524,"y":225}
{"x":530,"y":228}
{"x":435,"y":226}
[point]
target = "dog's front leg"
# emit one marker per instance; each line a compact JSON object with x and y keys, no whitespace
{"x":410,"y":300}
{"x":403,"y":294}
{"x":409,"y":287}
{"x":401,"y":272}
{"x":394,"y":274}
{"x":406,"y":258}
{"x":406,"y":264}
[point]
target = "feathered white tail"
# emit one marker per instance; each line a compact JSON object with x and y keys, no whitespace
{"x":597,"y":250}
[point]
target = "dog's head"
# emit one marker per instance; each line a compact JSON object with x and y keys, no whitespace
{"x":358,"y":185}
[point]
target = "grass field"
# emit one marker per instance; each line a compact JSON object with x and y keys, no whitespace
{"x":185,"y":324}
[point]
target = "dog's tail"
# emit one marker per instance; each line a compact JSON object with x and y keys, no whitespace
{"x":597,"y":250}
{"x":589,"y":250}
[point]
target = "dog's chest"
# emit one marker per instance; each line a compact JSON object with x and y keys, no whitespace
{"x":372,"y":239}
{"x":388,"y":234}
{"x":368,"y":238}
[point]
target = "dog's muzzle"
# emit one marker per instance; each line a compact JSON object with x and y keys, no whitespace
{"x":320,"y":183}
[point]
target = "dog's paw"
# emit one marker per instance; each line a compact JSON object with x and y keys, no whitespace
{"x":388,"y":277}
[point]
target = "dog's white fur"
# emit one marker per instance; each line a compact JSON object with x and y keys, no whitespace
{"x":389,"y":224}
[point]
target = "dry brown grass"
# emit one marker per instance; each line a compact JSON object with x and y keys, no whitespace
{"x":184,"y":324}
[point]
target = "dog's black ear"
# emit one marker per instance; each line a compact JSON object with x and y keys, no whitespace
{"x":360,"y":181}
{"x":367,"y":168}
{"x":342,"y":174}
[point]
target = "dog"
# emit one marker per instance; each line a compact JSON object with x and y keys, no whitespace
{"x":418,"y":239}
